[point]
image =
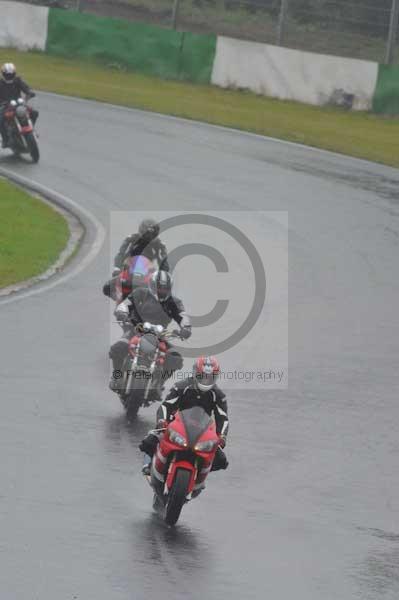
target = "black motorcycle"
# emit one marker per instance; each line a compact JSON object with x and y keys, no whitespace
{"x":141,"y":381}
{"x":19,"y":125}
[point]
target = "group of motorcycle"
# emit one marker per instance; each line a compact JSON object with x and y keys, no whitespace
{"x":22,"y":138}
{"x":140,"y":382}
{"x":187,"y":445}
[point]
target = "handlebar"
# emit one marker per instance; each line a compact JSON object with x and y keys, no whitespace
{"x":166,"y":334}
{"x":172,"y":334}
{"x":26,"y":99}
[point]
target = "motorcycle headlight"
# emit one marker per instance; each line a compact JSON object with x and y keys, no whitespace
{"x":176,"y":438}
{"x":21,"y":111}
{"x":207,"y":446}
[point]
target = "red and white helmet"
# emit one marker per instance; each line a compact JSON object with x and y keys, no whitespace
{"x":206,"y":371}
{"x":8,"y":72}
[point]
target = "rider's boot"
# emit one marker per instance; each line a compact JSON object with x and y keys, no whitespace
{"x":146,"y":468}
{"x":115,"y":384}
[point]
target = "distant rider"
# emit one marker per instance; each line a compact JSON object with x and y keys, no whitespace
{"x":12,"y":87}
{"x":199,"y":389}
{"x":145,"y":243}
{"x":156,"y":305}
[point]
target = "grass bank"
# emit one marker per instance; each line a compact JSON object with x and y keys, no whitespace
{"x":358,"y":134}
{"x":32,"y":235}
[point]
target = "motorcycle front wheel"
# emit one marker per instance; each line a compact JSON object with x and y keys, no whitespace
{"x":32,"y":147}
{"x":177,"y":496}
{"x":134,"y":399}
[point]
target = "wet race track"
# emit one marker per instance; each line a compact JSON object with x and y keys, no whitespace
{"x":309,"y":506}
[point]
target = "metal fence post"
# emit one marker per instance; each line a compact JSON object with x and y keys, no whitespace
{"x":79,"y":5}
{"x":175,"y":13}
{"x":282,"y":20}
{"x":393,"y":30}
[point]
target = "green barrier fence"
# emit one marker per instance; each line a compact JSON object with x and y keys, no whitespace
{"x":143,"y":48}
{"x":386,"y":95}
{"x":197,"y":56}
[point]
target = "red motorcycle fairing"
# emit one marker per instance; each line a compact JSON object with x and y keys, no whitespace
{"x":181,"y":464}
{"x":173,"y":456}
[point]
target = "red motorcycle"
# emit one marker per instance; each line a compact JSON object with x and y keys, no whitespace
{"x":182,"y":461}
{"x":136,"y":272}
{"x":20,"y":129}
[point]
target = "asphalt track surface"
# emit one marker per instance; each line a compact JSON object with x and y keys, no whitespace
{"x":309,"y":507}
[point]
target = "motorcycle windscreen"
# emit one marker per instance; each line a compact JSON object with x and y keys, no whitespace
{"x":139,"y":270}
{"x":140,"y":266}
{"x":196,"y":420}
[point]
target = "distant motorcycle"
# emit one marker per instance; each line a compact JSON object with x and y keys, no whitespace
{"x":20,"y":129}
{"x":182,"y":461}
{"x":135,"y":273}
{"x":141,"y":381}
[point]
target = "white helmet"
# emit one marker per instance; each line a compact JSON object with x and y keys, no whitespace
{"x":8,"y":72}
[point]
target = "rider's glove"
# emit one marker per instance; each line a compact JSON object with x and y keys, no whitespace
{"x":162,"y":424}
{"x":222,"y":441}
{"x":185,"y":333}
{"x":122,"y":312}
{"x":115,"y":272}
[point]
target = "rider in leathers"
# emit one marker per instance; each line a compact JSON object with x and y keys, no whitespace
{"x":155,"y":305}
{"x":198,"y":390}
{"x":145,"y":243}
{"x":12,"y":87}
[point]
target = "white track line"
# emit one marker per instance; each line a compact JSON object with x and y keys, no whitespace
{"x":78,"y":211}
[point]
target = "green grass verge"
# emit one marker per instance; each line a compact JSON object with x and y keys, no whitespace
{"x":358,"y":134}
{"x":32,"y":235}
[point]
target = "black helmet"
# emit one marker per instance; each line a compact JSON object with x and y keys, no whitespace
{"x":160,"y":285}
{"x":8,"y":72}
{"x":149,"y":229}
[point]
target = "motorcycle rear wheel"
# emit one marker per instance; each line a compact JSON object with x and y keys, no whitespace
{"x":177,"y":496}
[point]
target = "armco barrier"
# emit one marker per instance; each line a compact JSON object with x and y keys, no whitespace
{"x":23,"y":26}
{"x":291,"y":74}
